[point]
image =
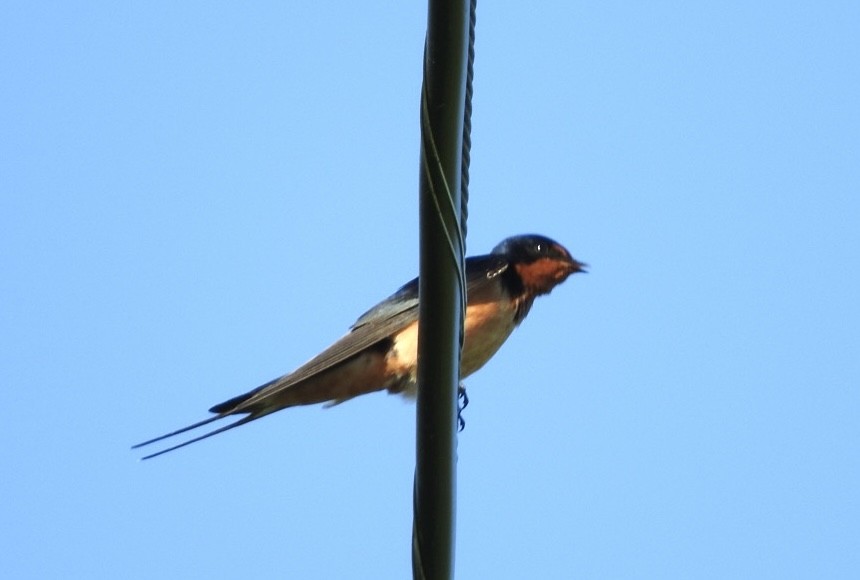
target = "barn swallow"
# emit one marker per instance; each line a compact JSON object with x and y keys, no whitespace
{"x":380,"y":352}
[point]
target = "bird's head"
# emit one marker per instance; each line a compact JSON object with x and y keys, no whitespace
{"x":541,"y":263}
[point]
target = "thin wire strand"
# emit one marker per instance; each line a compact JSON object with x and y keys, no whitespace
{"x":467,"y":124}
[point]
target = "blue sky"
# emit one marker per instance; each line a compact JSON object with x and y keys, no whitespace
{"x":197,"y":197}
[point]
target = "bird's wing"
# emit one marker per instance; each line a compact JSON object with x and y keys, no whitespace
{"x":357,"y":340}
{"x":361,"y":337}
{"x":377,"y":324}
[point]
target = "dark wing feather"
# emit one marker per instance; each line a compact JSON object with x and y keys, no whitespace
{"x":390,"y":317}
{"x":379,"y":323}
{"x":375,"y":325}
{"x":360,"y":338}
{"x":406,"y":297}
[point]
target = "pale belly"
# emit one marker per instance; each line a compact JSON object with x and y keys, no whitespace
{"x":487,"y":328}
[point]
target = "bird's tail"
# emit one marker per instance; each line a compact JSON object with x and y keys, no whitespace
{"x":242,"y":421}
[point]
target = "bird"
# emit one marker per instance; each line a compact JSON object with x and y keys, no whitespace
{"x":380,"y":351}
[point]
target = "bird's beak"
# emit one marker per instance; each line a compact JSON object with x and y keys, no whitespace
{"x":576,"y":267}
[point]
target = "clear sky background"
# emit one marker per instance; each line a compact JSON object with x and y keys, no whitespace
{"x":196,"y":197}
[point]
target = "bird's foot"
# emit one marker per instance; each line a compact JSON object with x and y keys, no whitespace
{"x":462,"y":403}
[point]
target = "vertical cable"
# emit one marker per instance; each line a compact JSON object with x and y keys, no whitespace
{"x":444,"y":177}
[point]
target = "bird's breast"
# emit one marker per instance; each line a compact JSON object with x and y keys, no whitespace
{"x":488,"y":325}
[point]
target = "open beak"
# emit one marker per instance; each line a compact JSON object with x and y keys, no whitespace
{"x":576,"y":267}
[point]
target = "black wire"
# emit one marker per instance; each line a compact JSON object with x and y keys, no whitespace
{"x":467,"y":125}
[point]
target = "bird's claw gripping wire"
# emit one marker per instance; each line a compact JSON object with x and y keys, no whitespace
{"x":462,"y":403}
